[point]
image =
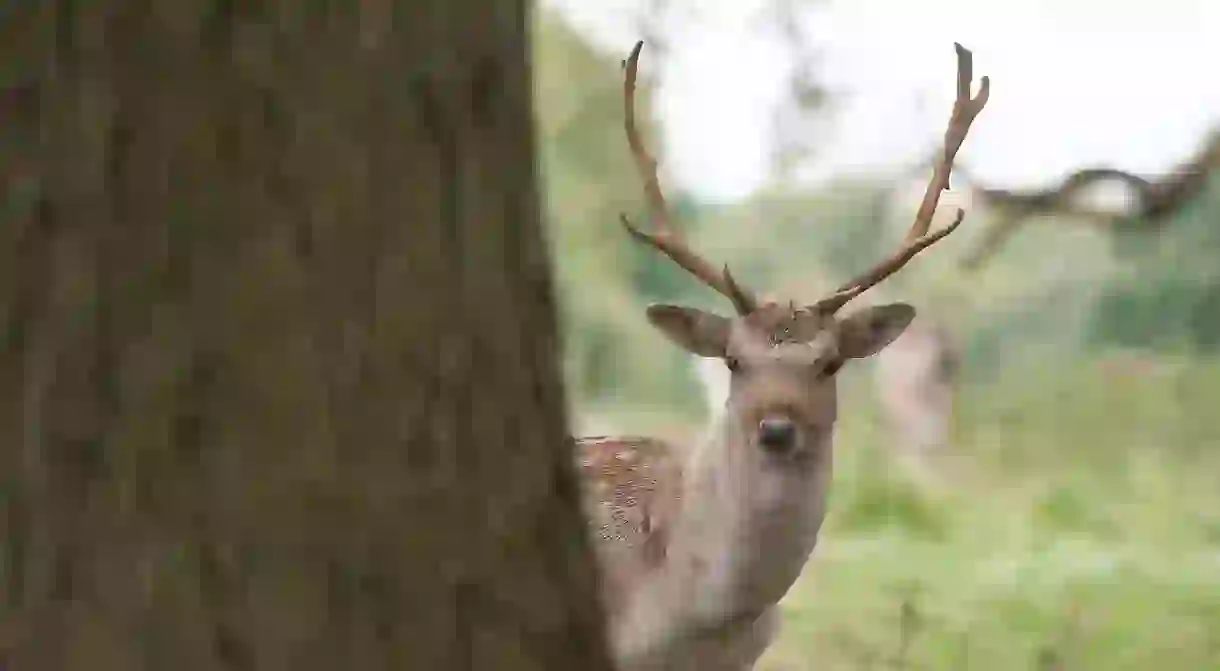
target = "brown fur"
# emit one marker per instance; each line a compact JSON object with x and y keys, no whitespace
{"x":632,"y":490}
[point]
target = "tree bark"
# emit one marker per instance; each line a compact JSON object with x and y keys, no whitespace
{"x":279,"y":380}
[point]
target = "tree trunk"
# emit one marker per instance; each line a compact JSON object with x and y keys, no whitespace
{"x":279,"y":383}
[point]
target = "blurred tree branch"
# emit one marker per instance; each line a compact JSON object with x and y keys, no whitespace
{"x":1154,"y":200}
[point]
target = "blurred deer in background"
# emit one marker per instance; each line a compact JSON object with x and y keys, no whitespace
{"x":698,"y":546}
{"x":914,"y":381}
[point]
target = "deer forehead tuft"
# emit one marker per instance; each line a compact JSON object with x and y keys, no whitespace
{"x":779,"y":325}
{"x":771,"y":318}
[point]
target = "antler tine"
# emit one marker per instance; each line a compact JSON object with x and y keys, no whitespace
{"x":667,"y":238}
{"x":889,"y":266}
{"x":965,"y":109}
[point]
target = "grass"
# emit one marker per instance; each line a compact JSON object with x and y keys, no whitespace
{"x":1010,"y":578}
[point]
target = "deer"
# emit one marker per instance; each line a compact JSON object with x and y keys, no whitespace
{"x":914,"y":380}
{"x":696,"y":547}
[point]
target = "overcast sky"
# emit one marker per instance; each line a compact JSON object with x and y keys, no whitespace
{"x":1074,"y":82}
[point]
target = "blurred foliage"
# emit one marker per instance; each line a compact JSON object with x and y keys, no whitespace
{"x":605,"y":280}
{"x":1058,"y":290}
{"x":1168,"y":293}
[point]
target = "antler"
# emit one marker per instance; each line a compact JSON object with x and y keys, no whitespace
{"x":965,"y":109}
{"x":667,"y":239}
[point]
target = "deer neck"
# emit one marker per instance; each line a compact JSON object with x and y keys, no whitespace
{"x":743,"y":533}
{"x":748,"y":524}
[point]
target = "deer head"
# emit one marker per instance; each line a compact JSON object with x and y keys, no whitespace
{"x":783,"y":357}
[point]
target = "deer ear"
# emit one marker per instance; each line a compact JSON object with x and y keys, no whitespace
{"x":870,"y":330}
{"x":696,"y":331}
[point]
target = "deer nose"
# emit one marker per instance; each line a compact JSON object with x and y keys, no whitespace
{"x":776,"y":434}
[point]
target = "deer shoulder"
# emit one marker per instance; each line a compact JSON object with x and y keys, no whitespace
{"x":632,"y":485}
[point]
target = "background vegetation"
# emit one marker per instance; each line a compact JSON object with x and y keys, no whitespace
{"x":1081,"y":525}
